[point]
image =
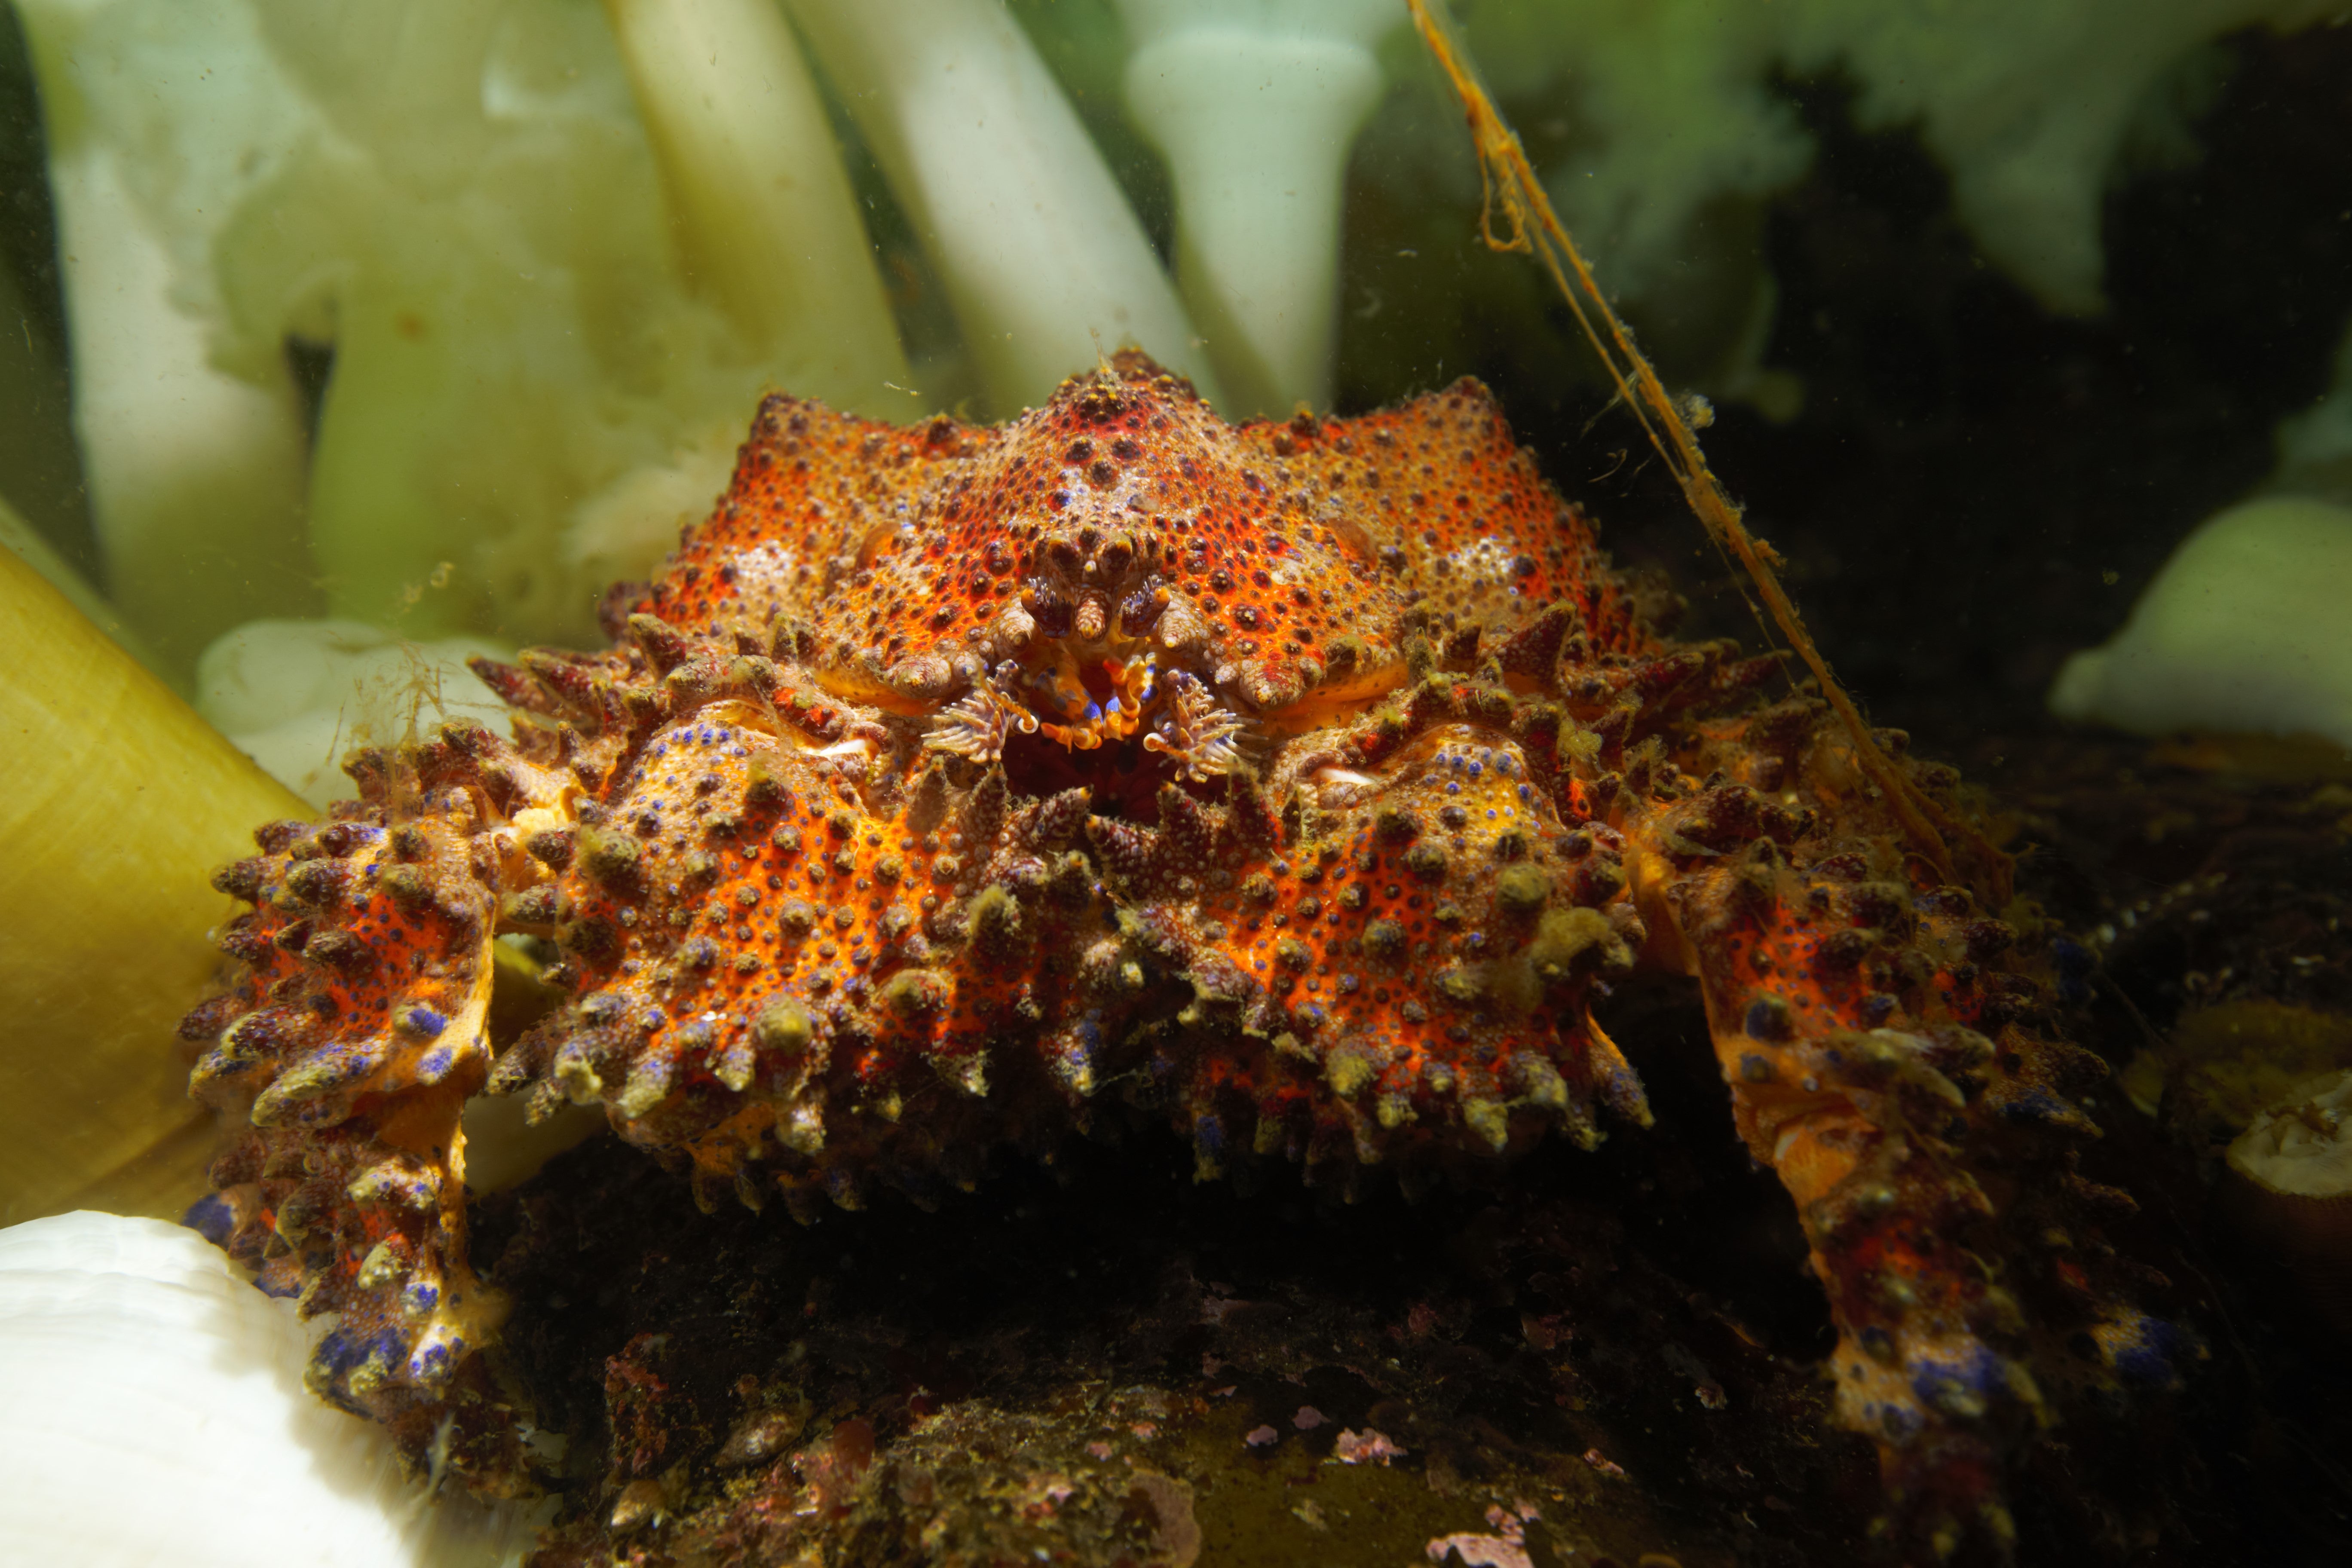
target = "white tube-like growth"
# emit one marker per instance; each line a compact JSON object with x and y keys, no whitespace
{"x":156,"y":1414}
{"x":2243,"y":632}
{"x":299,"y":696}
{"x":765,"y":219}
{"x":195,"y":475}
{"x":1255,"y":104}
{"x":1045,"y":263}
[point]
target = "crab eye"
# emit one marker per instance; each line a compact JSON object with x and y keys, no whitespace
{"x":1141,"y":611}
{"x":1049,"y":610}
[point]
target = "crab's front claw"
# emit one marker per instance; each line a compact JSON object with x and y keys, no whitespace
{"x":1889,"y":1057}
{"x":340,"y":1057}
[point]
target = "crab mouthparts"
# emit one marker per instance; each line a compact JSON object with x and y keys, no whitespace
{"x":1084,"y":694}
{"x":1095,"y":696}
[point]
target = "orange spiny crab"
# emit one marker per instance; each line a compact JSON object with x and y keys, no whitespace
{"x":1297,"y":783}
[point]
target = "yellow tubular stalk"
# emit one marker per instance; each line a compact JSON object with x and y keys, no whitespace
{"x":116,"y":804}
{"x":1526,"y":223}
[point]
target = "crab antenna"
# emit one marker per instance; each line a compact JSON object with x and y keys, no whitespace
{"x":1528,"y":223}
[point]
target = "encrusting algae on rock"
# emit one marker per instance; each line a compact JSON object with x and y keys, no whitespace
{"x":1296,"y":784}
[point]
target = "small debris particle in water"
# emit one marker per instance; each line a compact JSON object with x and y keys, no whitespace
{"x":641,"y":1502}
{"x":1703,"y":1384}
{"x":1367,"y":1447}
{"x":1262,"y":1438}
{"x":1308,"y":1418}
{"x":1171,"y":1501}
{"x":1506,"y":1548}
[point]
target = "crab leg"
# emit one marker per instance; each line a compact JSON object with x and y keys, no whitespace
{"x":341,"y":1057}
{"x":1889,"y":1054}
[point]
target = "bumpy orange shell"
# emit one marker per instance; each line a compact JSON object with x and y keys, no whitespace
{"x":1299,"y":784}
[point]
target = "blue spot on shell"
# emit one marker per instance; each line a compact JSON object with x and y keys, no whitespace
{"x":2075,"y":964}
{"x":1767,"y":1019}
{"x":1077,"y":1055}
{"x":211,"y":1217}
{"x":1979,"y":1373}
{"x":2147,"y":1358}
{"x":334,"y":1354}
{"x":2036,"y":1106}
{"x":1209,"y":1139}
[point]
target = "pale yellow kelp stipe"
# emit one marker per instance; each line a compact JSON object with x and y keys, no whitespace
{"x":116,"y":804}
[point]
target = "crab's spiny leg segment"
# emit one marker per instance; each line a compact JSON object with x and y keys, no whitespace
{"x":343,"y":1054}
{"x":1891,"y":1055}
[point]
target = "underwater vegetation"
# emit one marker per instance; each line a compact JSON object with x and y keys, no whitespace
{"x":473,"y":436}
{"x":550,"y":251}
